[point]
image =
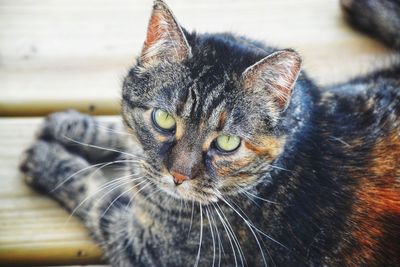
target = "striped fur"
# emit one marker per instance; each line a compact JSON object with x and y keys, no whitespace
{"x":314,"y":182}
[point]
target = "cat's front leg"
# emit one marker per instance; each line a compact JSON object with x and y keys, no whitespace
{"x":85,"y":135}
{"x":65,"y":176}
{"x":101,"y":203}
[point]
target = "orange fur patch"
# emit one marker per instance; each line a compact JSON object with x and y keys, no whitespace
{"x":239,"y":164}
{"x":222,"y":119}
{"x":179,"y":129}
{"x":206,"y":144}
{"x":377,"y":197}
{"x":234,"y":165}
{"x":161,"y":138}
{"x":267,"y":146}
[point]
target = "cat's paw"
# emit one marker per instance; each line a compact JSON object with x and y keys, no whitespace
{"x":48,"y":164}
{"x":83,"y":135}
{"x":65,"y":125}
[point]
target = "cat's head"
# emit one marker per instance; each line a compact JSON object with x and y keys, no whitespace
{"x":206,"y":108}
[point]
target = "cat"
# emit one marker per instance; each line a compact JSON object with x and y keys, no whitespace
{"x":234,"y":157}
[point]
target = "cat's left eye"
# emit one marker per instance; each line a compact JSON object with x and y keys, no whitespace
{"x":227,"y":143}
{"x":163,"y":120}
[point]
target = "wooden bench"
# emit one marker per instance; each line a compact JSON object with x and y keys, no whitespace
{"x":62,"y":54}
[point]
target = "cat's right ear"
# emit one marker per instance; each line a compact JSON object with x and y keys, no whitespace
{"x":275,"y":75}
{"x":165,"y":39}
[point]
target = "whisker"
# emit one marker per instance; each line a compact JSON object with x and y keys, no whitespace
{"x":99,"y":147}
{"x":119,"y":181}
{"x":191,"y":218}
{"x":235,"y":239}
{"x":82,"y":170}
{"x":212,"y":234}
{"x":180,"y":210}
{"x":251,"y":199}
{"x":156,"y":190}
{"x":279,"y":168}
{"x":115,"y":199}
{"x":251,"y":224}
{"x":250,"y":227}
{"x":186,"y":201}
{"x":220,"y":246}
{"x":131,"y":199}
{"x":105,"y":128}
{"x":228,"y":234}
{"x":260,"y":198}
{"x":151,"y":171}
{"x":201,"y":236}
{"x":104,"y":166}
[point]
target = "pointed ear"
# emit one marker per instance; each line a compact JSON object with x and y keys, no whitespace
{"x":276,"y":74}
{"x":165,"y":39}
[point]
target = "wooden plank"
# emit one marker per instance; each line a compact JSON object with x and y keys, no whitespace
{"x":63,"y":53}
{"x":49,"y":253}
{"x":34,"y":230}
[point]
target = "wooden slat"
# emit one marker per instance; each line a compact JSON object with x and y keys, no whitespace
{"x":49,"y":253}
{"x":34,"y":230}
{"x":56,"y":54}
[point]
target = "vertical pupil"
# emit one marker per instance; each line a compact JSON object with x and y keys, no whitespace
{"x":163,"y":119}
{"x":228,"y":142}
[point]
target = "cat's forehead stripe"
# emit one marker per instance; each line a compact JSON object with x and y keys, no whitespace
{"x":204,"y":95}
{"x":214,"y":98}
{"x":187,"y":106}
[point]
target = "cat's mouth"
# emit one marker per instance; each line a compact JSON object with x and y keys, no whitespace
{"x":188,"y":190}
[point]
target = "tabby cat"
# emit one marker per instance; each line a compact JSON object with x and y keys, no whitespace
{"x":233,"y":157}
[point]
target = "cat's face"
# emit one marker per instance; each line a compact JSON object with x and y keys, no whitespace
{"x":207,"y":128}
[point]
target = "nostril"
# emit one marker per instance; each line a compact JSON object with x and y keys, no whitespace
{"x":179,"y":178}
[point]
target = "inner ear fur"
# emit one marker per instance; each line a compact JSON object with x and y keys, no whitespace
{"x":276,"y":75}
{"x":165,"y":40}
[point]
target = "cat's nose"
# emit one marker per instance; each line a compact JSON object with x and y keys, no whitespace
{"x":179,"y":178}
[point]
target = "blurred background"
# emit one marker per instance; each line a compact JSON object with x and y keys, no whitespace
{"x":58,"y":54}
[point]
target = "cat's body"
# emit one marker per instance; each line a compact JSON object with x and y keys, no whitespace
{"x":320,"y":186}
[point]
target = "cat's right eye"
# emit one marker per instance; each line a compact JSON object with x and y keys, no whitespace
{"x":227,"y":143}
{"x":163,"y":120}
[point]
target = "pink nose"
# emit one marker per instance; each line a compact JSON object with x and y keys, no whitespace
{"x":179,"y":178}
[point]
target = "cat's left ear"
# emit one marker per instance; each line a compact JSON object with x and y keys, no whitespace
{"x":275,"y":75}
{"x":165,"y":39}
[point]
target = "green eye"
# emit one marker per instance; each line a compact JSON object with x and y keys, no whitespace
{"x":163,"y":120}
{"x":227,"y":143}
